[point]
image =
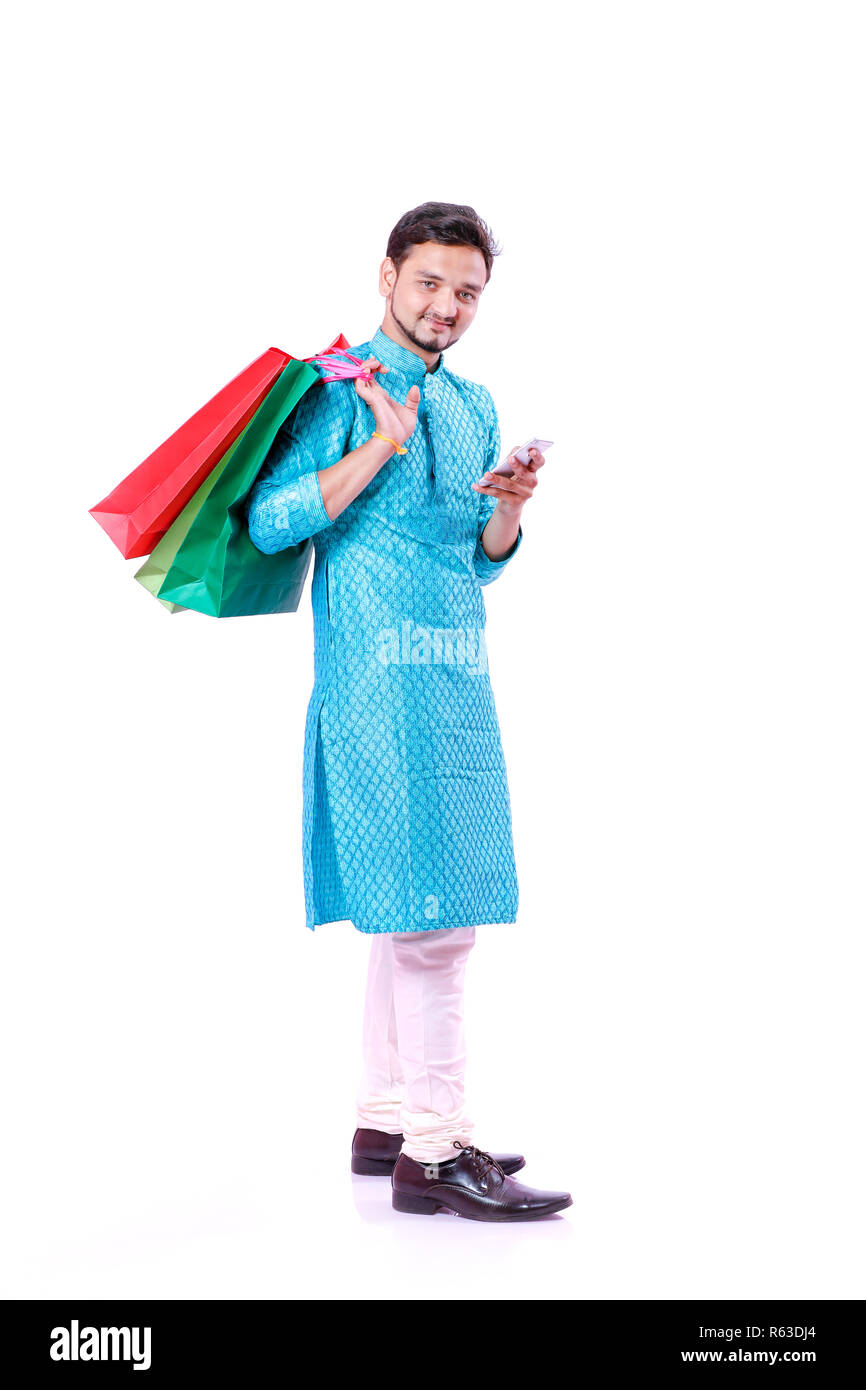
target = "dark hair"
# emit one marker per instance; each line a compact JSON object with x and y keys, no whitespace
{"x":451,"y":224}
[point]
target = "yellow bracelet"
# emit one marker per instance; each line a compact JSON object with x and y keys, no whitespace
{"x":398,"y":447}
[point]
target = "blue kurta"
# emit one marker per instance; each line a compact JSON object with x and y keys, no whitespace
{"x":407,"y":821}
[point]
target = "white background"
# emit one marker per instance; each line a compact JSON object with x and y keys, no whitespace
{"x":673,"y":1029}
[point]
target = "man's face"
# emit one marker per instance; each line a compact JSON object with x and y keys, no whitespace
{"x":434,"y":298}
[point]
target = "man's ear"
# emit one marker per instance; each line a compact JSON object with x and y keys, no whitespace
{"x":387,"y":276}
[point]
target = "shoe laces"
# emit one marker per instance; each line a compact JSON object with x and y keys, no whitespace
{"x":480,"y":1158}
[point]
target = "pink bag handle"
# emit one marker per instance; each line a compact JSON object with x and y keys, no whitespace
{"x":342,"y":370}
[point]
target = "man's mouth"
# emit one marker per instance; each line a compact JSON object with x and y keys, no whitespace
{"x":437,"y":323}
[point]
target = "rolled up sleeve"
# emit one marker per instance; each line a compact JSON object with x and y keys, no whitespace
{"x":285,"y":506}
{"x":487,"y":570}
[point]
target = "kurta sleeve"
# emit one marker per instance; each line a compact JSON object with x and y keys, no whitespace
{"x":285,"y":504}
{"x":486,"y":569}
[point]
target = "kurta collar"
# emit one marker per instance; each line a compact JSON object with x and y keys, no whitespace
{"x":403,"y":359}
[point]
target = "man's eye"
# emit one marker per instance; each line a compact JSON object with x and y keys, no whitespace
{"x":432,"y":284}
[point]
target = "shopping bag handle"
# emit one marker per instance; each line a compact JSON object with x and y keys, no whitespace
{"x":342,"y":370}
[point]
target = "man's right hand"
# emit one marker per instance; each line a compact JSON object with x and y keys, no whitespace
{"x":342,"y":481}
{"x":395,"y":420}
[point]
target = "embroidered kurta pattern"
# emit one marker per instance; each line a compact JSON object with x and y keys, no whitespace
{"x":407,"y":820}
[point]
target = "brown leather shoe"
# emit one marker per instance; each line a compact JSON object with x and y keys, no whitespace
{"x":473,"y":1185}
{"x":374,"y":1154}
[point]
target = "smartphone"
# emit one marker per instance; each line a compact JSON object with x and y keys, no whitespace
{"x":522,"y":455}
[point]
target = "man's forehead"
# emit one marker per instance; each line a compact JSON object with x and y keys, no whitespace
{"x":451,"y":262}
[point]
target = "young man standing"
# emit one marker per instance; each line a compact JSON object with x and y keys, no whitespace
{"x":407,"y":821}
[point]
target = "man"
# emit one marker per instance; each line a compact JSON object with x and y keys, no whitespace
{"x":407,"y":822}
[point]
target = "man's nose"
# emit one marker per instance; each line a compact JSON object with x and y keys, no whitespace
{"x":445,"y":305}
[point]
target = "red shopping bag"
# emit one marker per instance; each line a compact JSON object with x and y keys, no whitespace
{"x":139,"y":511}
{"x":340,"y":344}
{"x":142,"y":507}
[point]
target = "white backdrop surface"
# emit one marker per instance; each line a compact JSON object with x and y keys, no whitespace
{"x":673,"y":1029}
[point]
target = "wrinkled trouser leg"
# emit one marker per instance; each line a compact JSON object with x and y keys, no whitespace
{"x":381,"y":1093}
{"x":429,"y":970}
{"x":414,"y":1043}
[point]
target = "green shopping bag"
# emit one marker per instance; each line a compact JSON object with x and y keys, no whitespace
{"x":210,"y":562}
{"x":156,"y":567}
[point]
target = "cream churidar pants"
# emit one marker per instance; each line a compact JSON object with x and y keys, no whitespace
{"x":413,"y":1041}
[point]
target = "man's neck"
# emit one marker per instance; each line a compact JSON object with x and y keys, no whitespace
{"x":392,"y":330}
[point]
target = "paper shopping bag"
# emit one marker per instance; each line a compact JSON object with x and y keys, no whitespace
{"x":138,"y":512}
{"x":154,"y":570}
{"x":216,"y":568}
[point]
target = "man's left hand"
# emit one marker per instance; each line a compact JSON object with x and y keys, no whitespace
{"x":512,"y":493}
